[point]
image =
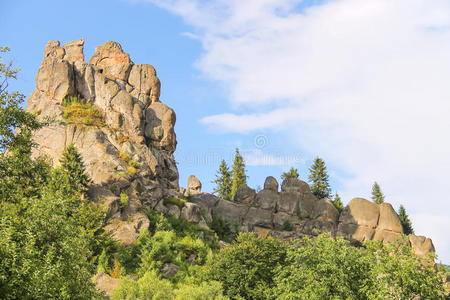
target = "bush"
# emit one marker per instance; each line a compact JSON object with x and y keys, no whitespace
{"x":123,"y":200}
{"x":78,"y":111}
{"x":287,"y":226}
{"x":175,"y":201}
{"x":223,"y":228}
{"x":247,"y":268}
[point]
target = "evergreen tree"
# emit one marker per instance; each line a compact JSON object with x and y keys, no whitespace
{"x":223,"y":181}
{"x":318,"y":177}
{"x":377,"y":195}
{"x":405,"y":221}
{"x":239,"y":177}
{"x":72,"y":164}
{"x":338,"y":203}
{"x":291,"y":173}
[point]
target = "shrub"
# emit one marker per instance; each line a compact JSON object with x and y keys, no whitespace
{"x":78,"y":111}
{"x":225,"y":230}
{"x":132,"y":170}
{"x":287,"y":226}
{"x":123,"y":200}
{"x":175,"y":201}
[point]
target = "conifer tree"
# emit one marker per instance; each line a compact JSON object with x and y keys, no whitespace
{"x":405,"y":221}
{"x":223,"y":181}
{"x":338,"y":203}
{"x":239,"y":177}
{"x":377,"y":195}
{"x":318,"y":177}
{"x":72,"y":164}
{"x":291,"y":173}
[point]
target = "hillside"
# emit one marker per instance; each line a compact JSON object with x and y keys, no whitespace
{"x":152,"y":237}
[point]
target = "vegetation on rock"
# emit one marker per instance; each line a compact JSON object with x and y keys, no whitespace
{"x":318,"y":176}
{"x":337,"y":202}
{"x":406,"y":222}
{"x":291,"y":173}
{"x":78,"y":111}
{"x":377,"y":195}
{"x":238,"y":173}
{"x":223,"y":181}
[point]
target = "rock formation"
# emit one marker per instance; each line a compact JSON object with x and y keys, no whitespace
{"x":128,"y":153}
{"x":295,"y":212}
{"x":128,"y":156}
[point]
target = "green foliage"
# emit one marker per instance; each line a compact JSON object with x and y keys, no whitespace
{"x":78,"y":111}
{"x":337,"y":202}
{"x":175,"y":201}
{"x":223,"y":181}
{"x":287,"y":226}
{"x":72,"y":164}
{"x":405,"y":221}
{"x":123,"y":200}
{"x":226,"y":231}
{"x":238,"y":172}
{"x":204,"y":291}
{"x":377,"y":195}
{"x":247,"y":268}
{"x":318,"y":177}
{"x":328,"y":268}
{"x":103,"y":262}
{"x":291,"y":173}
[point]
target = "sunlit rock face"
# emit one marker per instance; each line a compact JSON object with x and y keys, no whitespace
{"x":131,"y":152}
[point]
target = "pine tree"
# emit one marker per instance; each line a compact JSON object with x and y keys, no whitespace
{"x":239,"y":177}
{"x":72,"y":164}
{"x":223,"y":181}
{"x":377,"y":195}
{"x":405,"y":221}
{"x":338,"y":203}
{"x":291,"y":173}
{"x":318,"y":178}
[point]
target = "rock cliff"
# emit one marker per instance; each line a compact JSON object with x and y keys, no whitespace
{"x":128,"y":151}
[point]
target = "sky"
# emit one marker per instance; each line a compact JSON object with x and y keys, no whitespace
{"x":362,"y":84}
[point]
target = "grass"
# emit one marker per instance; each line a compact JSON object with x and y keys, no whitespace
{"x":78,"y":111}
{"x":123,"y":200}
{"x":175,"y":201}
{"x":132,"y":164}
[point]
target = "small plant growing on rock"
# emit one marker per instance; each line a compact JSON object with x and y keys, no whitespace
{"x":175,"y":201}
{"x":125,"y":156}
{"x":287,"y":226}
{"x":123,"y":200}
{"x":78,"y":111}
{"x":132,"y":170}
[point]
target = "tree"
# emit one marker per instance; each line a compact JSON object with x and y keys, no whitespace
{"x":377,"y":195}
{"x":223,"y":181}
{"x":405,"y":221}
{"x":338,"y":203}
{"x":72,"y":164}
{"x":291,"y":173}
{"x":239,"y":177}
{"x":318,"y":178}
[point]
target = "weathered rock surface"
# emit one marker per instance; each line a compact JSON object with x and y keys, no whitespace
{"x":138,"y":129}
{"x":106,"y":283}
{"x":421,"y":245}
{"x":194,"y":185}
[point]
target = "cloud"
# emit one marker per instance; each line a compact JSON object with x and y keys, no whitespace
{"x":364,"y":84}
{"x":256,"y":157}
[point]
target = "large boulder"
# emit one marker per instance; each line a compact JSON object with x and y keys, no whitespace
{"x":194,"y":185}
{"x":325,"y":211}
{"x":245,"y":195}
{"x":421,"y":246}
{"x":271,"y":184}
{"x":288,"y":202}
{"x":110,"y":53}
{"x":267,"y":199}
{"x":127,"y":231}
{"x":359,"y":219}
{"x":292,"y":184}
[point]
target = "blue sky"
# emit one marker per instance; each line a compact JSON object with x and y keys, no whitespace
{"x":363,"y":84}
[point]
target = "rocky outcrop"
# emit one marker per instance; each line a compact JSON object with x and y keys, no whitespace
{"x":194,"y":185}
{"x":129,"y":154}
{"x":364,"y":220}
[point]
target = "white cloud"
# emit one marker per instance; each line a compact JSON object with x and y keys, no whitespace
{"x":363,"y":83}
{"x":256,"y":157}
